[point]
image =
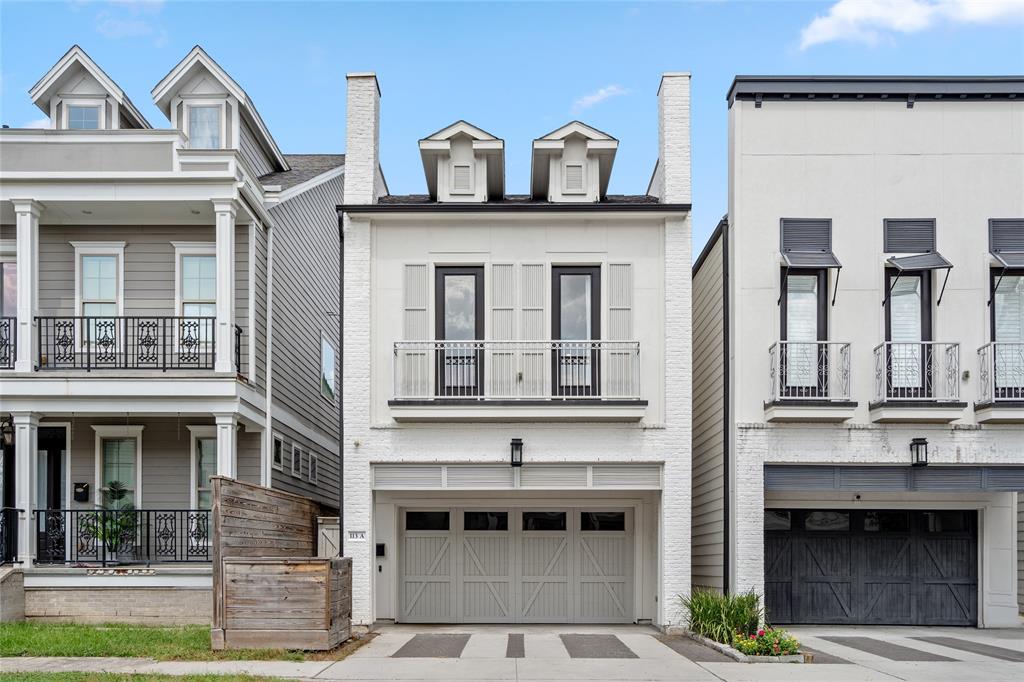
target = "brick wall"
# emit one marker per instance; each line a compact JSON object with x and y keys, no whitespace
{"x":137,"y":605}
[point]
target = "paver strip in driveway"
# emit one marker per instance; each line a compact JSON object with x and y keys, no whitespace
{"x":433,"y":646}
{"x":894,"y":652}
{"x":596,"y":646}
{"x":976,"y":648}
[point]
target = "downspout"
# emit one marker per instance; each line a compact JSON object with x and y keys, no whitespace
{"x":341,"y":393}
{"x":268,"y":453}
{"x":726,"y":426}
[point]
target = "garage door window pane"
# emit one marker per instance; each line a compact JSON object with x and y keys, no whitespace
{"x":886,"y":522}
{"x":603,"y":521}
{"x":483,"y":520}
{"x":426,"y":520}
{"x":533,"y":520}
{"x":827,"y":521}
{"x":776,"y":520}
{"x":946,"y":522}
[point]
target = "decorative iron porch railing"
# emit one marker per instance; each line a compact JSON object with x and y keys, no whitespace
{"x":9,"y":535}
{"x":517,"y":370}
{"x":809,"y":370}
{"x":135,"y":342}
{"x":927,"y":371}
{"x":1001,"y":369}
{"x":8,"y":342}
{"x":124,"y":536}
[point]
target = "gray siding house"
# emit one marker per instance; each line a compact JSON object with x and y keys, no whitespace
{"x":169,"y":303}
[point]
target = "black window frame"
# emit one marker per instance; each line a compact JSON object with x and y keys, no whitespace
{"x":821,"y":388}
{"x":995,"y":275}
{"x":925,"y":389}
{"x":442,"y":358}
{"x":594,"y":271}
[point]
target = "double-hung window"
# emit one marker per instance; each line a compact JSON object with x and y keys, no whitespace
{"x":206,"y":466}
{"x":99,"y":290}
{"x":198,"y":294}
{"x":118,"y":472}
{"x":204,"y":127}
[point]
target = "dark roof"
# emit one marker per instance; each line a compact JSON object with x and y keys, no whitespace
{"x":875,"y":87}
{"x":303,"y":167}
{"x":517,"y":200}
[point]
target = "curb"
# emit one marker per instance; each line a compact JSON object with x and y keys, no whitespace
{"x":740,"y":656}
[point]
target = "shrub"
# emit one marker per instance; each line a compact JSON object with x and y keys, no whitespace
{"x":767,"y":642}
{"x":719,"y":616}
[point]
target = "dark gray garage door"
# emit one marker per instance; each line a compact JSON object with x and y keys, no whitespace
{"x":894,"y":567}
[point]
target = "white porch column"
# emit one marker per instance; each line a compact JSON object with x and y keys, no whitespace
{"x":227,"y":445}
{"x":225,"y":212}
{"x":26,"y":466}
{"x":27,"y":216}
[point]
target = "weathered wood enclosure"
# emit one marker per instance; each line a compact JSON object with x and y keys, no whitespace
{"x":269,"y":588}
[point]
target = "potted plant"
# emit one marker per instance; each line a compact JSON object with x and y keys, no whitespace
{"x":114,"y":525}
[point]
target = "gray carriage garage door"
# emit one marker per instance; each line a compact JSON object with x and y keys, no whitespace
{"x":534,"y":565}
{"x":894,"y":567}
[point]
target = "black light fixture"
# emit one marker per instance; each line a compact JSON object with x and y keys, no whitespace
{"x":517,"y":452}
{"x":919,"y":452}
{"x":7,"y":430}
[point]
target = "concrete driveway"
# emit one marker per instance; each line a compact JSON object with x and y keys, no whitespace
{"x":633,"y":653}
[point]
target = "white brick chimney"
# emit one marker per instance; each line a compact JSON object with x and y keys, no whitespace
{"x":673,"y":181}
{"x":362,"y":139}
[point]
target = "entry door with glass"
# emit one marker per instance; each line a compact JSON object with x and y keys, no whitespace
{"x":804,"y":324}
{"x":1008,"y":334}
{"x":459,"y":326}
{"x":908,"y":329}
{"x":575,"y":326}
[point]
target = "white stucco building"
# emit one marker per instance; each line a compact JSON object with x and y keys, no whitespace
{"x":862,"y":303}
{"x":482,"y":326}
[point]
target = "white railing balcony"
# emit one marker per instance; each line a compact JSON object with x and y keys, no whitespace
{"x":517,"y":370}
{"x":1001,"y":366}
{"x":925,"y":371}
{"x":809,"y":371}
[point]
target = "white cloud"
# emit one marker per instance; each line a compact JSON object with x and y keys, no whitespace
{"x":868,"y":21}
{"x":131,"y":19}
{"x":38,"y":123}
{"x":607,"y":92}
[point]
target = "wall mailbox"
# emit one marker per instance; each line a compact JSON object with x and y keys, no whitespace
{"x":81,"y":492}
{"x":380,"y":549}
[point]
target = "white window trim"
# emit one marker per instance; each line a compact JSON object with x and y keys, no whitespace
{"x":196,"y":432}
{"x":472,"y":179}
{"x":99,"y":249}
{"x":296,"y":457}
{"x":118,"y":432}
{"x":188,"y":249}
{"x":277,"y":439}
{"x":331,"y":399}
{"x":583,"y":178}
{"x":314,"y":474}
{"x":218,"y":102}
{"x":98,"y":102}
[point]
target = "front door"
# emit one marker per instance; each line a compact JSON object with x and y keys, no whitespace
{"x":575,"y":326}
{"x":50,"y":481}
{"x":459,"y":326}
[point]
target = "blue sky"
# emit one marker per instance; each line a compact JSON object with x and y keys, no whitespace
{"x":517,"y":70}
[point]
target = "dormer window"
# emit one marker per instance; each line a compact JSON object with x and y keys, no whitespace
{"x":83,"y":117}
{"x":204,"y":127}
{"x":573,"y":174}
{"x":462,"y":179}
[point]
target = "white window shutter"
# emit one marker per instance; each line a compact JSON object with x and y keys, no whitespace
{"x":462,"y":178}
{"x":574,"y":177}
{"x":503,"y":301}
{"x":534,"y":362}
{"x":620,"y":302}
{"x":414,"y":319}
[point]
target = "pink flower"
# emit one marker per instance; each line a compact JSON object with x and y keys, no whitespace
{"x":753,"y":637}
{"x":760,"y":633}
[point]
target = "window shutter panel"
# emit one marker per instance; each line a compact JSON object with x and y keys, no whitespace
{"x":534,"y":361}
{"x":806,"y":235}
{"x":414,"y":319}
{"x":574,"y":177}
{"x":909,"y":236}
{"x":461,"y":180}
{"x":503,"y":302}
{"x":1007,"y":235}
{"x":620,"y":302}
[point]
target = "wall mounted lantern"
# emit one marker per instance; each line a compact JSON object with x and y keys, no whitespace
{"x":919,"y":452}
{"x":517,"y":452}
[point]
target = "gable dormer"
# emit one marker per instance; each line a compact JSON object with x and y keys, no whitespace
{"x":572,"y":163}
{"x":214,"y":112}
{"x":77,"y":95}
{"x":464,"y":163}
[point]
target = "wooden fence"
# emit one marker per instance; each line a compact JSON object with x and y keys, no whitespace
{"x":269,"y":588}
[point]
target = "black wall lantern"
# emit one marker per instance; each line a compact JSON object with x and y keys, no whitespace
{"x":517,"y":452}
{"x":919,"y":452}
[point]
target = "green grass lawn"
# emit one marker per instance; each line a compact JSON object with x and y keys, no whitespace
{"x":114,"y":677}
{"x":185,"y":643}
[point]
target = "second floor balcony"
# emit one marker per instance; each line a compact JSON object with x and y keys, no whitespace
{"x":809,"y":381}
{"x":444,"y":379}
{"x":917,"y":381}
{"x":1000,"y":383}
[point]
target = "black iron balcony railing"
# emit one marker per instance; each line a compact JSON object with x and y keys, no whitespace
{"x":809,"y":371}
{"x":122,"y":536}
{"x":9,"y":535}
{"x":8,"y":342}
{"x":920,"y":371}
{"x":161,"y":343}
{"x":1001,"y":366}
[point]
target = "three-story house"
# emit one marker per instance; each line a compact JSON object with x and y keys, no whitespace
{"x":169,"y":313}
{"x":859,"y":343}
{"x":516,"y":398}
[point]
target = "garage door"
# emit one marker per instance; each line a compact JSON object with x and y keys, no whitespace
{"x":894,"y":567}
{"x":545,"y":565}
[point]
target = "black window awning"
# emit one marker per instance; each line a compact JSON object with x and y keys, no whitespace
{"x":921,"y":261}
{"x":1009,"y":259}
{"x":810,"y":259}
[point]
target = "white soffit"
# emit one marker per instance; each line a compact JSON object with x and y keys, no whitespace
{"x":563,"y":476}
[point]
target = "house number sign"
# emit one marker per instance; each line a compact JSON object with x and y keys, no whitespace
{"x":357,"y":535}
